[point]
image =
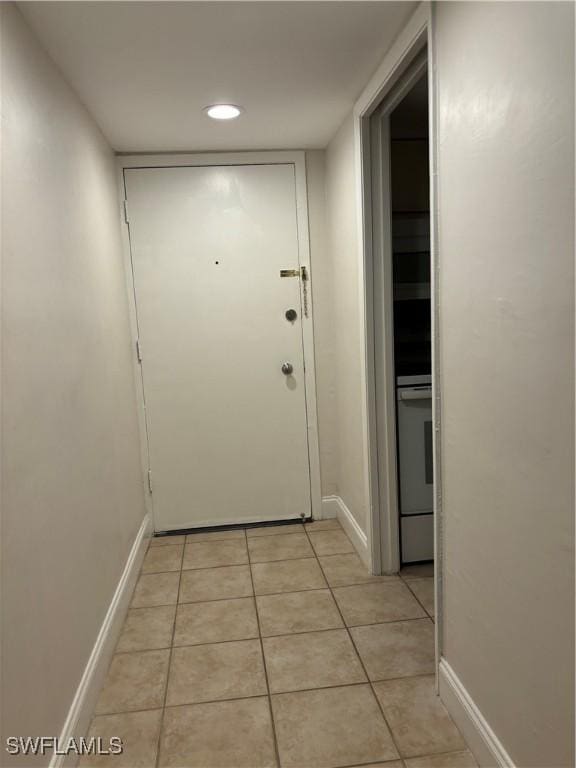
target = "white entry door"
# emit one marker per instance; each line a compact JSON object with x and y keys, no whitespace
{"x":227,"y":428}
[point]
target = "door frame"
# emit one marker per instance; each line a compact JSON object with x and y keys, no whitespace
{"x":174,"y":160}
{"x":379,"y":412}
{"x":379,"y":209}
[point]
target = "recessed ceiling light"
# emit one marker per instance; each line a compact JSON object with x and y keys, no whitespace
{"x":223,"y":111}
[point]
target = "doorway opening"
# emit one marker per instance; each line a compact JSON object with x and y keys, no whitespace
{"x":402,"y":317}
{"x":410,"y":221}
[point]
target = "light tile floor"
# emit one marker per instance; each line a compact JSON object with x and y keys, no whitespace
{"x":275,"y":647}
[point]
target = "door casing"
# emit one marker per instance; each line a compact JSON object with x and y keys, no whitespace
{"x":380,"y":443}
{"x":383,"y":323}
{"x":298,"y":160}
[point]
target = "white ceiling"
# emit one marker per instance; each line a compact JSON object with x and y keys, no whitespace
{"x":146,"y":69}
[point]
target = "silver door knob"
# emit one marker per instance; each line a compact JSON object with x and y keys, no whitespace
{"x":287,"y":369}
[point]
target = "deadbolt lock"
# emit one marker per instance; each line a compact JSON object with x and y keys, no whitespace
{"x":291,"y":315}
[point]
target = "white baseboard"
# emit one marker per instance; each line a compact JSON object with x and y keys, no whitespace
{"x":333,"y":506}
{"x":84,"y":701}
{"x":329,"y":507}
{"x":483,"y":742}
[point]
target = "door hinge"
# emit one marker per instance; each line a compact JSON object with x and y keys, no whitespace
{"x":138,"y":351}
{"x":150,"y":480}
{"x":126,"y":219}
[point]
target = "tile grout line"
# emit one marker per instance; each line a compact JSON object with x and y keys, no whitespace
{"x":254,"y":562}
{"x":363,"y":665}
{"x":441,"y":754}
{"x":352,"y":626}
{"x":268,"y":696}
{"x":386,"y":580}
{"x":420,"y":603}
{"x":262,"y":696}
{"x":161,"y":729}
{"x":276,"y":637}
{"x":414,"y":578}
{"x":371,"y":765}
{"x":229,"y":565}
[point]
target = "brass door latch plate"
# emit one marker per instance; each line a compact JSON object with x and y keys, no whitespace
{"x":302,"y":272}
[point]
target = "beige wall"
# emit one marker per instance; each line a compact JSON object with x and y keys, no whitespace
{"x":506,"y":249}
{"x":72,"y":498}
{"x":324,"y":338}
{"x":342,"y":218}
